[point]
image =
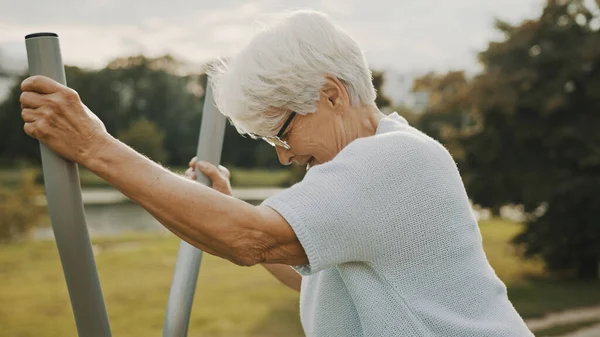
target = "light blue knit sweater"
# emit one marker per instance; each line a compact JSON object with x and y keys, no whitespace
{"x":393,"y":245}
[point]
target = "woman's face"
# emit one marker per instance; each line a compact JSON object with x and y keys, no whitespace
{"x":316,"y":138}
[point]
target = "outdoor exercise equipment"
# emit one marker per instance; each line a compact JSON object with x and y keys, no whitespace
{"x":63,"y":192}
{"x":181,"y":295}
{"x":61,"y":180}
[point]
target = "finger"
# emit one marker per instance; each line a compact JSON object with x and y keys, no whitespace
{"x":190,"y":173}
{"x":30,"y":115}
{"x":29,"y":129}
{"x":193,"y":162}
{"x":41,"y":84}
{"x":32,"y":100}
{"x":209,"y":170}
{"x":225,"y":171}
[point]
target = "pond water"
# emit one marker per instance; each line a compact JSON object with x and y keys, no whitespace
{"x":114,"y":219}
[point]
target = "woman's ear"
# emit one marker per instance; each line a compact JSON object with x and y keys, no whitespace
{"x":328,"y":98}
{"x":335,"y":93}
{"x":330,"y":91}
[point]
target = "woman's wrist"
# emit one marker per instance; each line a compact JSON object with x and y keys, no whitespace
{"x":102,"y":148}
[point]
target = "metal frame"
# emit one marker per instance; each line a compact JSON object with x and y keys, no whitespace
{"x":181,"y":295}
{"x":63,"y":192}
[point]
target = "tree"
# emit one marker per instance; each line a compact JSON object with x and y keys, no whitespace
{"x":536,"y":141}
{"x":381,"y":101}
{"x":120,"y":94}
{"x":15,"y":146}
{"x":3,"y":72}
{"x":448,"y":108}
{"x":153,"y":88}
{"x":146,"y":138}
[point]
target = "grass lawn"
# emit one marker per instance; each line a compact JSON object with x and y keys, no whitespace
{"x":530,"y":291}
{"x":136,"y":272}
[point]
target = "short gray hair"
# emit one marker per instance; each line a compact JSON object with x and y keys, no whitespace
{"x":284,"y":68}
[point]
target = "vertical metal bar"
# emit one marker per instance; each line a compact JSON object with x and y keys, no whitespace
{"x":183,"y":286}
{"x":61,"y":179}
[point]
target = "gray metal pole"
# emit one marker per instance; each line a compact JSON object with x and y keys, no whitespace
{"x":61,"y":179}
{"x":183,"y":286}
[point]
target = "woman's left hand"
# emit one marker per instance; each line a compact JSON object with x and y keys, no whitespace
{"x":218,"y":175}
{"x":55,"y":115}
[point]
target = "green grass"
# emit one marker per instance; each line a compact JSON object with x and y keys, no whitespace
{"x":9,"y":177}
{"x":136,"y":273}
{"x":531,"y":292}
{"x":259,"y":178}
{"x":241,"y":177}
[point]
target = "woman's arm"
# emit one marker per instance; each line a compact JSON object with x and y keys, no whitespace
{"x":218,"y":224}
{"x":219,"y":177}
{"x":211,"y":221}
{"x":285,"y":274}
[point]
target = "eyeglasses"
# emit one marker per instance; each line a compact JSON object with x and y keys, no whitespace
{"x":276,"y":140}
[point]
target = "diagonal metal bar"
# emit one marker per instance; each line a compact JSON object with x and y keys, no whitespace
{"x":181,"y":295}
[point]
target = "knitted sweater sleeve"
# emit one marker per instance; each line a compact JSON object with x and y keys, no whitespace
{"x":341,"y":210}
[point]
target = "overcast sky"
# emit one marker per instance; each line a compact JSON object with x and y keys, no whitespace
{"x":406,"y":35}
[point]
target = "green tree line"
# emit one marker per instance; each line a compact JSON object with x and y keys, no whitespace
{"x":148,"y":104}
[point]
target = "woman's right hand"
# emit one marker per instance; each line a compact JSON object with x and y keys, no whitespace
{"x":219,"y":176}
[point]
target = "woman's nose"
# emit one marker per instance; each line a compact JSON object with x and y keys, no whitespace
{"x":285,"y":156}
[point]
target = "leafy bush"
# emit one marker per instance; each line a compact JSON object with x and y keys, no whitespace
{"x":20,"y":209}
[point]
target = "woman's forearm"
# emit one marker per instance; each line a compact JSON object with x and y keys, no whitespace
{"x":285,"y":274}
{"x":207,"y":219}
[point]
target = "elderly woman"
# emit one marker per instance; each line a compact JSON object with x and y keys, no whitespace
{"x":380,"y":229}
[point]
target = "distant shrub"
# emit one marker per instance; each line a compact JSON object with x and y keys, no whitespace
{"x":20,"y":209}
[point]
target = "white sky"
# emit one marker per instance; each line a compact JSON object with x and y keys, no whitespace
{"x":405,"y":35}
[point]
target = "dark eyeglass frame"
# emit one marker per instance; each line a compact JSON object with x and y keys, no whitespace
{"x":276,"y":140}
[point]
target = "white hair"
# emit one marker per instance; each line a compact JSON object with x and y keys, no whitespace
{"x":284,"y":68}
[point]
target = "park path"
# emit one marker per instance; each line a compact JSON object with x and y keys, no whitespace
{"x":593,"y":331}
{"x":569,"y":317}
